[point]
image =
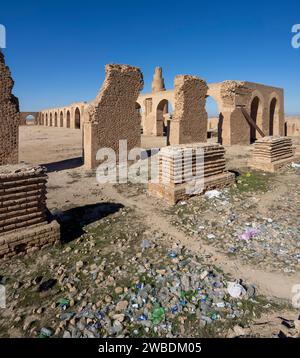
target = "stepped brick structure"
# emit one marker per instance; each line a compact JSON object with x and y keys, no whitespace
{"x":189,"y":123}
{"x":9,"y":117}
{"x":272,"y":153}
{"x":186,"y":170}
{"x":112,"y":116}
{"x":25,"y":223}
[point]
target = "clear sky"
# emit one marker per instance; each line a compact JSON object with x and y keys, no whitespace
{"x":57,"y":49}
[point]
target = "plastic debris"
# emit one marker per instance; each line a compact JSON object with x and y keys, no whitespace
{"x":146,"y":244}
{"x":249,"y":234}
{"x":235,"y":290}
{"x":45,"y":332}
{"x":158,"y":314}
{"x":174,"y":309}
{"x":213,"y":194}
{"x":142,"y":317}
{"x":172,"y":254}
{"x":64,"y":303}
{"x":295,"y":165}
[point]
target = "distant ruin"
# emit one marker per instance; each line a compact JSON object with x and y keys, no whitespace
{"x":265,"y":104}
{"x":9,"y":117}
{"x":24,"y":118}
{"x":64,"y":117}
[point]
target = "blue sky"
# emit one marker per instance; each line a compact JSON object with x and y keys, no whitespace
{"x":57,"y":50}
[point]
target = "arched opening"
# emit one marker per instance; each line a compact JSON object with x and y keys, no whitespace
{"x":30,"y":119}
{"x":46,"y":119}
{"x":164,"y":113}
{"x":214,"y":122}
{"x":55,"y":119}
{"x":273,"y":110}
{"x":68,"y":119}
{"x":51,"y":120}
{"x":138,"y":108}
{"x":285,"y":128}
{"x":255,"y":104}
{"x":42,"y":120}
{"x":61,"y":119}
{"x":77,"y":118}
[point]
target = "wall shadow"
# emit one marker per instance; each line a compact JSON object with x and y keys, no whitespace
{"x":220,"y":128}
{"x":64,"y":164}
{"x":73,"y":220}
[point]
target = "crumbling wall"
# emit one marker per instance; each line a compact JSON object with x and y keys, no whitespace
{"x":112,"y":116}
{"x":189,"y":123}
{"x":9,"y":117}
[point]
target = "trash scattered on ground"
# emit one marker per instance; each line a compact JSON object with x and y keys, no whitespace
{"x":295,"y":165}
{"x":235,"y":290}
{"x":249,"y":234}
{"x":213,"y":194}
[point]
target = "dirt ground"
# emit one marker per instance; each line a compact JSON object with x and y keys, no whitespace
{"x":71,"y":190}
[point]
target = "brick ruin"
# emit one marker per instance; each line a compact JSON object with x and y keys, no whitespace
{"x":179,"y":176}
{"x":9,"y":117}
{"x":272,"y":153}
{"x":112,"y":116}
{"x":264,"y":103}
{"x":189,"y":122}
{"x":25,"y":223}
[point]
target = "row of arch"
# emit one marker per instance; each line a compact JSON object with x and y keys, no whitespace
{"x":269,"y":121}
{"x":164,"y":111}
{"x":57,"y":119}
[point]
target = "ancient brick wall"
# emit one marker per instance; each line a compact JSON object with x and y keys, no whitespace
{"x":189,"y":123}
{"x":9,"y":117}
{"x":112,"y":116}
{"x":25,"y":223}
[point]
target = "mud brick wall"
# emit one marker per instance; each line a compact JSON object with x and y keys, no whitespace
{"x":22,"y":197}
{"x":189,"y":123}
{"x":112,"y":116}
{"x":9,"y":117}
{"x":29,"y":239}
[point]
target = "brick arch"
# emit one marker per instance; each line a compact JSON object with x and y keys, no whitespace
{"x":55,"y":119}
{"x":274,"y":109}
{"x":61,"y":119}
{"x":24,"y":117}
{"x":68,"y":117}
{"x":256,"y":110}
{"x":77,"y":118}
